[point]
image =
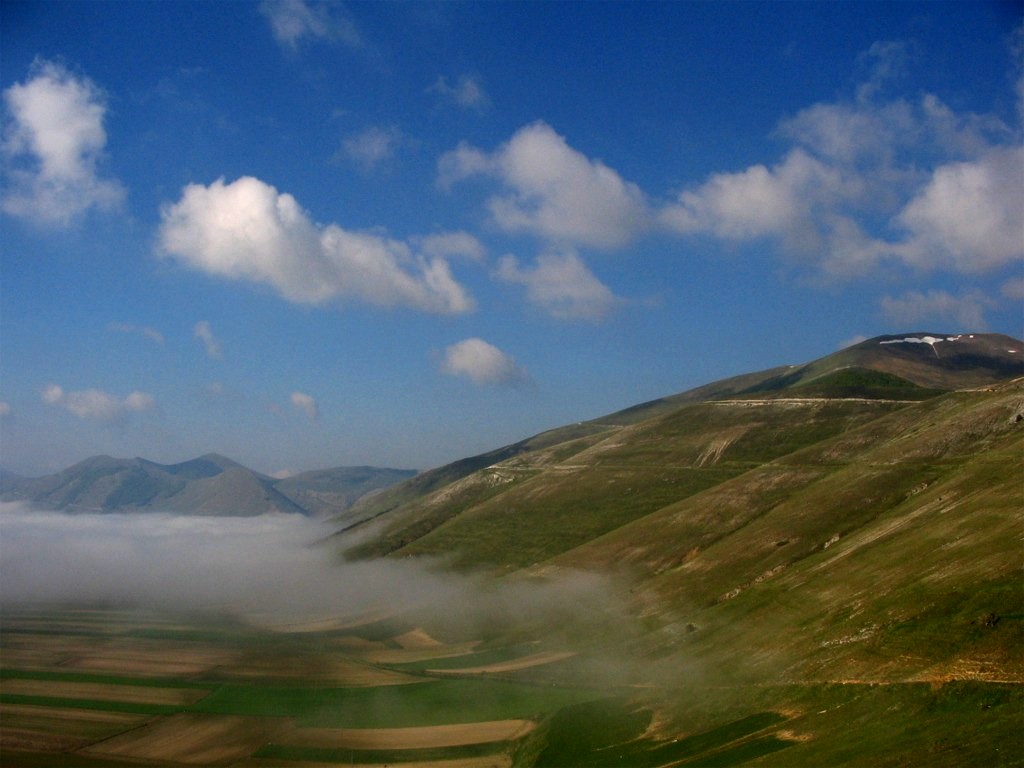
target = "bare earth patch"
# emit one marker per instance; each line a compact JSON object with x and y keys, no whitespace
{"x":34,"y":741}
{"x":416,"y":638}
{"x":192,"y":739}
{"x":512,"y":665}
{"x":67,"y":714}
{"x":427,"y":737}
{"x":409,"y":655}
{"x":136,"y":694}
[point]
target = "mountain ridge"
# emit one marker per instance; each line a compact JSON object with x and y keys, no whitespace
{"x":912,"y":371}
{"x":210,"y":484}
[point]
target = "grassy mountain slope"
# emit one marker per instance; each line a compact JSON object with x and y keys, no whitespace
{"x":534,"y":499}
{"x":819,"y":566}
{"x":870,"y":539}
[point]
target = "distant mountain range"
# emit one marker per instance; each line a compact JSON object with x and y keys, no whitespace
{"x":209,"y":485}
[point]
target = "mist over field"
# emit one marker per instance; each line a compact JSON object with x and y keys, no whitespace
{"x":272,"y":568}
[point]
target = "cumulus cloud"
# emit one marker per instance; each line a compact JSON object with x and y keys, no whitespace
{"x":966,"y":310}
{"x":247,"y":230}
{"x":467,"y":92}
{"x":871,"y":179}
{"x":561,"y":285}
{"x":293,"y":21}
{"x":372,"y":147}
{"x":483,"y":363}
{"x":969,"y":215}
{"x":53,"y":146}
{"x":784,"y":201}
{"x":306,"y":404}
{"x":552,"y":190}
{"x":96,"y":404}
{"x":204,"y":333}
{"x":142,"y":330}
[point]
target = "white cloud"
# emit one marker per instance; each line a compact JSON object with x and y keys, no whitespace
{"x":966,"y":310}
{"x":143,"y":330}
{"x":372,"y":147}
{"x":204,"y":333}
{"x":292,"y":21}
{"x":483,"y":363}
{"x":553,"y":191}
{"x":444,"y":244}
{"x":305,"y":403}
{"x":1014,"y":288}
{"x":247,"y":230}
{"x":867,"y":180}
{"x":468,"y":92}
{"x":97,"y":405}
{"x":784,"y":201}
{"x":561,"y":285}
{"x":970,"y":215}
{"x":53,"y":145}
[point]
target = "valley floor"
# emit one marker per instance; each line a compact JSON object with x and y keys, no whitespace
{"x":89,"y":688}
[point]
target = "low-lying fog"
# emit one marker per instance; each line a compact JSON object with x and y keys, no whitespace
{"x":264,"y":568}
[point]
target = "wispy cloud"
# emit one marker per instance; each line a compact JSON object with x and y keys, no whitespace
{"x":561,"y":285}
{"x":294,"y":21}
{"x":96,"y":404}
{"x":204,"y":333}
{"x":142,"y":330}
{"x":967,"y":310}
{"x":467,"y":92}
{"x":247,"y":230}
{"x":483,"y":363}
{"x":372,"y":147}
{"x":5,"y":409}
{"x":53,"y":145}
{"x":552,"y":190}
{"x":305,"y":403}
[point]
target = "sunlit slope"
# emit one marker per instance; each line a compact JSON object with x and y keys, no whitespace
{"x":538,"y":505}
{"x":531,"y":501}
{"x":892,"y":550}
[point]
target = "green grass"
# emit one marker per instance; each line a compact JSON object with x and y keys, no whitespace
{"x":419,"y":704}
{"x":612,"y":733}
{"x":381,"y":756}
{"x":88,"y":677}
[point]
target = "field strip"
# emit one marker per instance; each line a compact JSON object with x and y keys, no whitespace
{"x":192,"y":739}
{"x":135,"y":694}
{"x":423,"y":737}
{"x":64,"y":713}
{"x":411,"y":655}
{"x":417,"y":638}
{"x":341,"y":672}
{"x":34,"y":741}
{"x":488,"y":761}
{"x":512,"y":665}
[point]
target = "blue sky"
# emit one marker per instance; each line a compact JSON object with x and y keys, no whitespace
{"x":308,"y":235}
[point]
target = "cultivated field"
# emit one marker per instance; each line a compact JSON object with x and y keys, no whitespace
{"x":76,"y":692}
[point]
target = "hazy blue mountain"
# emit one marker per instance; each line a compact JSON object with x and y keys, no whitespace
{"x":207,"y":485}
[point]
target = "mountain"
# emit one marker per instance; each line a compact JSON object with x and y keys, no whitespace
{"x":208,"y":485}
{"x":864,"y":381}
{"x":837,"y":543}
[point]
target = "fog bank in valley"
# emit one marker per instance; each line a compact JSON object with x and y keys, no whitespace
{"x":274,"y":568}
